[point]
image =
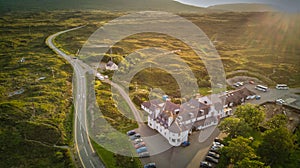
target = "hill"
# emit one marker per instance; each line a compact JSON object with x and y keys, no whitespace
{"x":244,"y":7}
{"x":111,"y":5}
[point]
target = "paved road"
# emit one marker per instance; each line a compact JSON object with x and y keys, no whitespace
{"x":84,"y":149}
{"x":83,"y":145}
{"x":135,"y":111}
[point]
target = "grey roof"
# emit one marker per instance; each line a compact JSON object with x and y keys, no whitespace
{"x":169,"y":106}
{"x":192,"y":109}
{"x":110,"y":64}
{"x":236,"y":95}
{"x":206,"y":120}
{"x":177,"y":128}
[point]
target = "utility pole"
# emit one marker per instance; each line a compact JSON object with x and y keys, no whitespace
{"x":110,"y":54}
{"x":52,"y":72}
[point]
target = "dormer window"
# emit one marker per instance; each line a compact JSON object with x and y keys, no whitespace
{"x":179,"y":118}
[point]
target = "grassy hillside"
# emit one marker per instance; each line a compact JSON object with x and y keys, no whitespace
{"x":262,"y":45}
{"x":32,"y":122}
{"x":111,"y":5}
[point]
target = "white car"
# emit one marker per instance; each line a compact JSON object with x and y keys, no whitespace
{"x":139,"y":140}
{"x":250,"y":97}
{"x":280,"y":101}
{"x":240,"y":83}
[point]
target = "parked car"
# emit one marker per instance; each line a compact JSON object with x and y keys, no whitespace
{"x":150,"y":165}
{"x":218,"y":144}
{"x":142,"y":149}
{"x":185,"y":143}
{"x":135,"y":136}
{"x":279,"y":101}
{"x":236,"y":85}
{"x":213,"y":154}
{"x":251,"y":82}
{"x":250,"y":97}
{"x":205,"y":164}
{"x":240,"y":83}
{"x":144,"y":154}
{"x":141,"y":144}
{"x":211,"y":159}
{"x":215,"y":147}
{"x":139,"y":140}
{"x":131,"y":132}
{"x":257,"y":97}
{"x":218,"y":140}
{"x":215,"y":151}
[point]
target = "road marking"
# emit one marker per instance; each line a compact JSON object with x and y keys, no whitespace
{"x":81,"y":137}
{"x":85,"y":151}
{"x":92,"y":164}
{"x":49,"y":42}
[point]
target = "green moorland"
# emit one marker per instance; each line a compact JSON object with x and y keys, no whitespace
{"x":36,"y":126}
{"x":120,"y":119}
{"x":257,"y":44}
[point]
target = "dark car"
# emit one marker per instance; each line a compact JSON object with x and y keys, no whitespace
{"x":185,"y":143}
{"x":205,"y":164}
{"x":150,"y":165}
{"x":135,"y":136}
{"x":215,"y":151}
{"x":130,"y":133}
{"x":218,"y":140}
{"x":213,"y":154}
{"x":144,"y":154}
{"x":211,"y":159}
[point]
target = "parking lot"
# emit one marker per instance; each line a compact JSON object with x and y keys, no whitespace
{"x":289,"y":96}
{"x":164,"y":155}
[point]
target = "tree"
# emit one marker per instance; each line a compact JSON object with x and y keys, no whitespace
{"x":251,"y":114}
{"x":238,"y":149}
{"x":234,"y":127}
{"x":276,"y":146}
{"x":277,"y":121}
{"x":250,"y":163}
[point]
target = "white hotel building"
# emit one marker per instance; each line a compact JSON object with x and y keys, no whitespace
{"x":174,"y":121}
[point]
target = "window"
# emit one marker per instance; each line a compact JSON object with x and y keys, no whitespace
{"x":173,"y":140}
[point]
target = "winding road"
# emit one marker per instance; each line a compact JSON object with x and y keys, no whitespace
{"x":86,"y":153}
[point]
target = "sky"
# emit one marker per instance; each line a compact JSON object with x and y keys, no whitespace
{"x":285,"y":5}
